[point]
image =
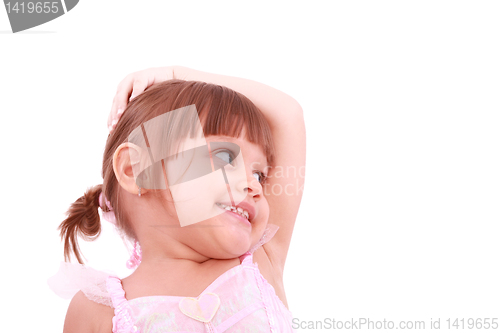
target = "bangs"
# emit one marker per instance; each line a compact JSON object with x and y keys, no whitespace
{"x":225,"y":112}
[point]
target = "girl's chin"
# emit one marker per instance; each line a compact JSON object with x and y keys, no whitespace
{"x":235,"y":243}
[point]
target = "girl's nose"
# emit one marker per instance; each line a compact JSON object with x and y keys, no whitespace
{"x":251,"y":185}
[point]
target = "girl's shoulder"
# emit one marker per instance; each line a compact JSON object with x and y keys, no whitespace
{"x":84,"y":315}
{"x":91,"y":308}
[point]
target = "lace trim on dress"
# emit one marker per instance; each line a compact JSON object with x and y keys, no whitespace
{"x":70,"y":278}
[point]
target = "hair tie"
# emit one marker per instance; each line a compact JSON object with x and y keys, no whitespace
{"x":110,"y":214}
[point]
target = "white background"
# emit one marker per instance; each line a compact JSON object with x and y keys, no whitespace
{"x":400,"y":214}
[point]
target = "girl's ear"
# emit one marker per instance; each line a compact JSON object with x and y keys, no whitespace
{"x":127,"y":158}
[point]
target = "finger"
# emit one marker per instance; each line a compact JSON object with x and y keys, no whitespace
{"x":110,"y":116}
{"x":133,"y":85}
{"x":139,"y":86}
{"x":146,"y":78}
{"x":120,"y":99}
{"x":117,"y":108}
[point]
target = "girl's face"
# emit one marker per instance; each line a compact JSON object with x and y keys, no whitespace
{"x":207,"y":181}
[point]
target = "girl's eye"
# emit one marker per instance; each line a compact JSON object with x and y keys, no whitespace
{"x":260,"y":177}
{"x":226,"y":156}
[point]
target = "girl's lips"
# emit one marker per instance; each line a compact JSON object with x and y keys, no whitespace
{"x":238,"y":216}
{"x":245,"y":205}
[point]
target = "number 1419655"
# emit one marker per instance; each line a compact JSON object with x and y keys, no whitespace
{"x":473,"y":323}
{"x":32,"y":7}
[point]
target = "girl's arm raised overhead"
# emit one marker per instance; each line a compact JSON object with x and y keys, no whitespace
{"x":284,"y":187}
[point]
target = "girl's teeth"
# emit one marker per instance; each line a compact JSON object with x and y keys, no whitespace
{"x":238,"y":210}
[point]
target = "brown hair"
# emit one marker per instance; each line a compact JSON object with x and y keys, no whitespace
{"x":221,"y":111}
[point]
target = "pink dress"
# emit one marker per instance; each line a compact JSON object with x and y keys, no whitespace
{"x":239,"y":300}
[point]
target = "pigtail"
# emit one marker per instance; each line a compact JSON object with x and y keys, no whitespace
{"x":83,"y":220}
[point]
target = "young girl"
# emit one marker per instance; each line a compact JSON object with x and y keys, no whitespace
{"x":204,"y":173}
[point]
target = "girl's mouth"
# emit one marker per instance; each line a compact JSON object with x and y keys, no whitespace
{"x":239,"y":213}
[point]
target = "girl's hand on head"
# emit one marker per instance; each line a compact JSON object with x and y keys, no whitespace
{"x":133,"y":85}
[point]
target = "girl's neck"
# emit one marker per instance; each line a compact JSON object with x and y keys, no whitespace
{"x":175,"y":277}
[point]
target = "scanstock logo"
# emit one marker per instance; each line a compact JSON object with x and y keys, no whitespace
{"x":31,"y":13}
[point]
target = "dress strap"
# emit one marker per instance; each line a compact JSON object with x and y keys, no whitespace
{"x":122,"y":321}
